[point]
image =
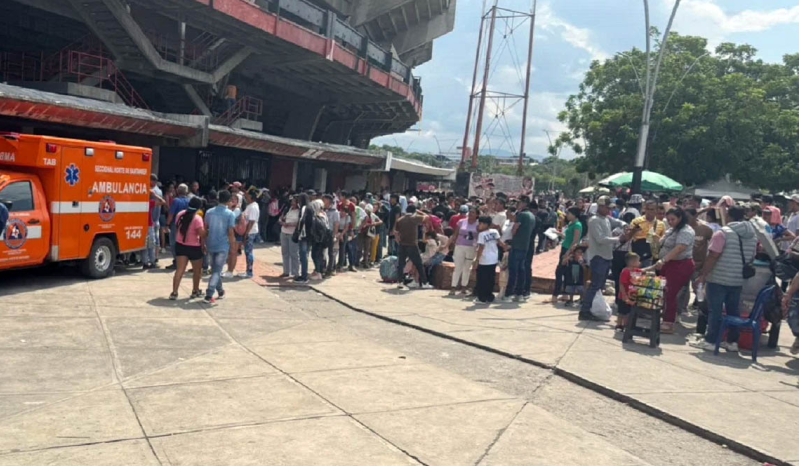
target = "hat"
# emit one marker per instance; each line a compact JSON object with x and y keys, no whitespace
{"x":636,"y":199}
{"x":604,"y":201}
{"x":236,"y":184}
{"x":413,"y":200}
{"x":368,"y":208}
{"x":767,"y":210}
{"x":464,"y":209}
{"x":794,"y":198}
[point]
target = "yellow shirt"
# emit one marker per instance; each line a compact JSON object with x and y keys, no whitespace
{"x":646,"y":225}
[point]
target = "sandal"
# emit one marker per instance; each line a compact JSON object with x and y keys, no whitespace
{"x":173,"y":296}
{"x":196,"y":294}
{"x":667,"y":328}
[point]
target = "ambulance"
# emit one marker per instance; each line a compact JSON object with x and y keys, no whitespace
{"x":72,"y":200}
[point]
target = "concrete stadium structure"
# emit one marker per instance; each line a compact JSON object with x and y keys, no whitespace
{"x":273,"y":91}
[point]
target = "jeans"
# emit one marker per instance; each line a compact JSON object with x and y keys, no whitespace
{"x":381,"y":244}
{"x":412,"y":253}
{"x":722,"y":298}
{"x":599,"y":273}
{"x":318,"y":257}
{"x":332,"y":252}
{"x":463,"y":257}
{"x":515,"y":285}
{"x":560,"y":273}
{"x":392,"y":246}
{"x":248,"y":252}
{"x":291,"y":255}
{"x":150,"y":252}
{"x":486,"y":279}
{"x":303,"y":245}
{"x":527,"y":274}
{"x":218,"y":261}
{"x":352,"y":251}
{"x":678,"y":276}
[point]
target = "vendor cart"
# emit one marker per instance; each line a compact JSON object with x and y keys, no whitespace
{"x":644,"y":319}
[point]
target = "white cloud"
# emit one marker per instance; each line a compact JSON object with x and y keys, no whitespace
{"x":580,"y":38}
{"x":708,"y":19}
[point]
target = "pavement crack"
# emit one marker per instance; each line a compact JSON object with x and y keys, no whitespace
{"x":500,"y":432}
{"x":118,"y":373}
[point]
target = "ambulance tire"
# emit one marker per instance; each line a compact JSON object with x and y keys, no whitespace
{"x":101,"y":260}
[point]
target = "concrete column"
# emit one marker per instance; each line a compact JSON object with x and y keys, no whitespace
{"x":294,"y":176}
{"x":320,"y":179}
{"x":302,"y":120}
{"x":156,"y":159}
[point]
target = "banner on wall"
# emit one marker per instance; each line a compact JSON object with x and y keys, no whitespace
{"x":485,"y":185}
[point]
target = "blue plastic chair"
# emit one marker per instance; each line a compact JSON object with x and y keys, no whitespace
{"x":752,"y":322}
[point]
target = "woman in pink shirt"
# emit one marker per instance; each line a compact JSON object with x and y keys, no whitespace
{"x":189,"y":246}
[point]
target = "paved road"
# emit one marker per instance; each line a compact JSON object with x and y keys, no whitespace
{"x":110,"y":372}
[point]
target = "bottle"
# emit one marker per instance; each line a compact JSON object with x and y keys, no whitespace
{"x":700,"y":293}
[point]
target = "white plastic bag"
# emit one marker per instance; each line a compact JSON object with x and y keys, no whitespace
{"x":600,"y":308}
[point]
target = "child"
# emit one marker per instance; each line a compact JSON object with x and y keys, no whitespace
{"x":488,"y":244}
{"x":626,"y":301}
{"x":575,"y":274}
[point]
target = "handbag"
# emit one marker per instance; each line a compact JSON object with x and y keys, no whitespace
{"x":748,"y":270}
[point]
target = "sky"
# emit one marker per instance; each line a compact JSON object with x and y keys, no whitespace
{"x":568,"y":36}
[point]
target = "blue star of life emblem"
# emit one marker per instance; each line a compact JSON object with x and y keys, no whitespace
{"x":73,"y":174}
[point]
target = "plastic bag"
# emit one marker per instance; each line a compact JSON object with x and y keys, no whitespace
{"x":600,"y":308}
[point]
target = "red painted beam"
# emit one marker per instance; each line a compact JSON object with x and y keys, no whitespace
{"x":92,"y":119}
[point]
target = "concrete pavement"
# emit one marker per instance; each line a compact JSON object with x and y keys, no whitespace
{"x":753,"y":407}
{"x":111,"y":372}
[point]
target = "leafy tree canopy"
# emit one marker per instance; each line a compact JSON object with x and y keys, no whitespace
{"x":731,"y":114}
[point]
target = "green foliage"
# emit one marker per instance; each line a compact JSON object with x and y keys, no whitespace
{"x":732,"y":113}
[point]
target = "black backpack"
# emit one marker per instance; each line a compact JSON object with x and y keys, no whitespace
{"x":772,"y":308}
{"x":320,"y":233}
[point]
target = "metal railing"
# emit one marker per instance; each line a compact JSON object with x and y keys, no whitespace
{"x":73,"y":66}
{"x":197,"y":53}
{"x":246,"y":108}
{"x":326,"y":22}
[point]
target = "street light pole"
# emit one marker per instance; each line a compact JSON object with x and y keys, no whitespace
{"x":651,"y":85}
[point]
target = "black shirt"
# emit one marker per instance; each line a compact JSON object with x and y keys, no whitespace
{"x":395,"y":212}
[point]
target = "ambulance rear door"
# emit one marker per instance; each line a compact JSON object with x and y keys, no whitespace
{"x":70,"y":216}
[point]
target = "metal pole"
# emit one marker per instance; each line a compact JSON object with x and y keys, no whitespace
{"x":484,"y":91}
{"x":640,"y":158}
{"x":638,"y":167}
{"x":182,"y":33}
{"x":527,"y":88}
{"x":465,"y":148}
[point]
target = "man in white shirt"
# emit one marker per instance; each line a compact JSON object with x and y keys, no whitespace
{"x":252,"y":213}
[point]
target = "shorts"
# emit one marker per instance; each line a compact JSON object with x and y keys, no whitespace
{"x":239,"y":238}
{"x":194,"y":253}
{"x":624,"y":308}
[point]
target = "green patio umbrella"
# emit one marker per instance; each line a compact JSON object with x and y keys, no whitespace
{"x":651,"y":181}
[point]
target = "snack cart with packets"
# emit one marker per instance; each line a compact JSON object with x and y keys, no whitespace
{"x":644,"y":321}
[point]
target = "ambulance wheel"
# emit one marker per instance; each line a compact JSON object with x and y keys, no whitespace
{"x":101,"y":260}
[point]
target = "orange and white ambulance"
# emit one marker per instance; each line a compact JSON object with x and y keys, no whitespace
{"x":72,"y":200}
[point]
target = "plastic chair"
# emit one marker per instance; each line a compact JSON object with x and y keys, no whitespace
{"x":752,"y":322}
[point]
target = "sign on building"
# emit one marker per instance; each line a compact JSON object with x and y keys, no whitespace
{"x":486,"y":185}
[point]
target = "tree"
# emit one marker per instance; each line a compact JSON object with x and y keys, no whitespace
{"x":731,"y":114}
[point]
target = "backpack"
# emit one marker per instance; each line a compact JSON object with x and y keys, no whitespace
{"x":772,"y":308}
{"x":320,"y":233}
{"x":241,"y":224}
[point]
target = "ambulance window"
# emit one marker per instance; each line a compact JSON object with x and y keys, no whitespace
{"x":20,"y":195}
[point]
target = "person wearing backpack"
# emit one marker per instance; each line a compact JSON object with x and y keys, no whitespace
{"x":300,"y":237}
{"x":729,"y":263}
{"x":318,"y":235}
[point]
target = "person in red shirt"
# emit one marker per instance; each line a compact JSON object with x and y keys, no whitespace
{"x":453,"y":222}
{"x":626,"y":301}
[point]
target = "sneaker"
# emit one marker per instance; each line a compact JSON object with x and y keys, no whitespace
{"x":426,"y":286}
{"x":171,"y":266}
{"x":351,"y":269}
{"x":517,"y":299}
{"x":413,"y":284}
{"x":731,"y":347}
{"x":589,"y":317}
{"x":795,"y":346}
{"x":400,"y":286}
{"x":196,"y":294}
{"x":221,"y":295}
{"x":227,"y":275}
{"x":245,"y":275}
{"x":301,"y":281}
{"x":210,"y":300}
{"x":206,"y":272}
{"x":506,"y":299}
{"x":703,"y":344}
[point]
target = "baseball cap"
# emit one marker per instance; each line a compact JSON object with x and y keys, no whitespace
{"x":236,"y":184}
{"x":604,"y":201}
{"x":794,"y":198}
{"x":636,"y":199}
{"x":464,"y":209}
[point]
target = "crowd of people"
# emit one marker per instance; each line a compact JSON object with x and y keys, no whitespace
{"x":694,"y":243}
